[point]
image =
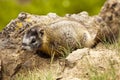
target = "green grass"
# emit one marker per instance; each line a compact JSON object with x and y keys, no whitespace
{"x":109,"y":74}
{"x":36,"y":75}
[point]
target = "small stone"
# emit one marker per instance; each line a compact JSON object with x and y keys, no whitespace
{"x":22,"y":16}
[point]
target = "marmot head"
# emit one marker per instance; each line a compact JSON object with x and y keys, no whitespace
{"x":32,"y":40}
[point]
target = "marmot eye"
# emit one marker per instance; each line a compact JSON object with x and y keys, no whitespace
{"x":33,"y":40}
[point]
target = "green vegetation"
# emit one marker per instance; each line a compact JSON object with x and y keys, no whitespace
{"x":37,"y":75}
{"x":108,"y":74}
{"x":11,"y":8}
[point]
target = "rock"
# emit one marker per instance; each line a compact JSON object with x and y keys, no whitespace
{"x":0,"y":69}
{"x":13,"y":60}
{"x":80,"y":62}
{"x":75,"y":56}
{"x":110,"y":29}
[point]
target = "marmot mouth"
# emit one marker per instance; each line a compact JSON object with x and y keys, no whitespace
{"x":27,"y":48}
{"x":36,"y":47}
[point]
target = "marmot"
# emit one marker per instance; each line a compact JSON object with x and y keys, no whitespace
{"x":57,"y":38}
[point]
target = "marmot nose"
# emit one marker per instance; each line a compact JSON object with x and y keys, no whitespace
{"x":23,"y":46}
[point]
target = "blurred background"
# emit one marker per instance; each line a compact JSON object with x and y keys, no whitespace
{"x":9,"y":9}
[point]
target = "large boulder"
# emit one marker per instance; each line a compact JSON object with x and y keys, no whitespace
{"x":14,"y":60}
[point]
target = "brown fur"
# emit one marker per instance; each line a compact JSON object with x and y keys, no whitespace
{"x":62,"y":36}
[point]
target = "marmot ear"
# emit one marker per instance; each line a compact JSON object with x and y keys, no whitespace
{"x":41,"y":32}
